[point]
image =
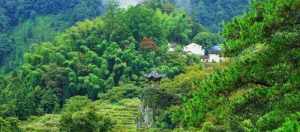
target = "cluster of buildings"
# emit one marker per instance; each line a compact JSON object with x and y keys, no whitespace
{"x":212,"y":55}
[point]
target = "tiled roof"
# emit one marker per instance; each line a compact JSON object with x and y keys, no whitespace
{"x":215,"y":49}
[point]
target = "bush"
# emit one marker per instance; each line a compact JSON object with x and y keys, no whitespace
{"x":127,"y":91}
{"x":85,"y":121}
{"x":9,"y":125}
{"x":76,"y":103}
{"x":270,"y":121}
{"x":207,"y":39}
{"x":289,"y":126}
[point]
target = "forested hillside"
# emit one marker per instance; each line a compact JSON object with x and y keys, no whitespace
{"x":259,"y":89}
{"x":210,"y":13}
{"x":94,"y":57}
{"x":97,"y":66}
{"x":25,"y":22}
{"x":214,"y":13}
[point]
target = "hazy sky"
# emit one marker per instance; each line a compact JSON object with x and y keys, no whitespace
{"x":127,"y":3}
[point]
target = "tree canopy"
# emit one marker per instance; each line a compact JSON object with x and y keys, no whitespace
{"x":259,"y":90}
{"x":126,"y":69}
{"x":25,"y":22}
{"x":91,"y":58}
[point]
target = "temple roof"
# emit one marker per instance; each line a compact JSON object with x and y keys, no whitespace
{"x":154,"y":75}
{"x":215,"y":49}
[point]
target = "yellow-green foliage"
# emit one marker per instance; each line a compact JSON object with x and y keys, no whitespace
{"x":9,"y":125}
{"x":46,"y":123}
{"x":188,"y":81}
{"x":123,"y":114}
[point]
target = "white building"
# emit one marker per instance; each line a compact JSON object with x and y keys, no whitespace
{"x":195,"y":49}
{"x":214,"y":54}
{"x":214,"y":58}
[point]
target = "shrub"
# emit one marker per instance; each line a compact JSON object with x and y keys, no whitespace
{"x":9,"y":125}
{"x":85,"y":121}
{"x":127,"y":91}
{"x":76,"y":103}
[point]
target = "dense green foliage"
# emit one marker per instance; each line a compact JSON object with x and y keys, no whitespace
{"x":173,"y":92}
{"x":91,"y":58}
{"x":92,"y":77}
{"x":9,"y":125}
{"x":211,"y":13}
{"x":84,"y":121}
{"x":79,"y":116}
{"x":207,"y":39}
{"x":259,"y":90}
{"x":24,"y":22}
{"x":126,"y":91}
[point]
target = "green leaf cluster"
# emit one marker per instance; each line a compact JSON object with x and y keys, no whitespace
{"x":259,"y":89}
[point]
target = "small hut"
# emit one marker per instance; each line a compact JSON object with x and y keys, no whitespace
{"x":214,"y":54}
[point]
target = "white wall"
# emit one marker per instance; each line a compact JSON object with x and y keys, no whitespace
{"x":214,"y":58}
{"x":194,"y":49}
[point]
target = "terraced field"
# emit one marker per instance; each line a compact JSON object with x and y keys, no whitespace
{"x":46,"y":123}
{"x":124,"y":113}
